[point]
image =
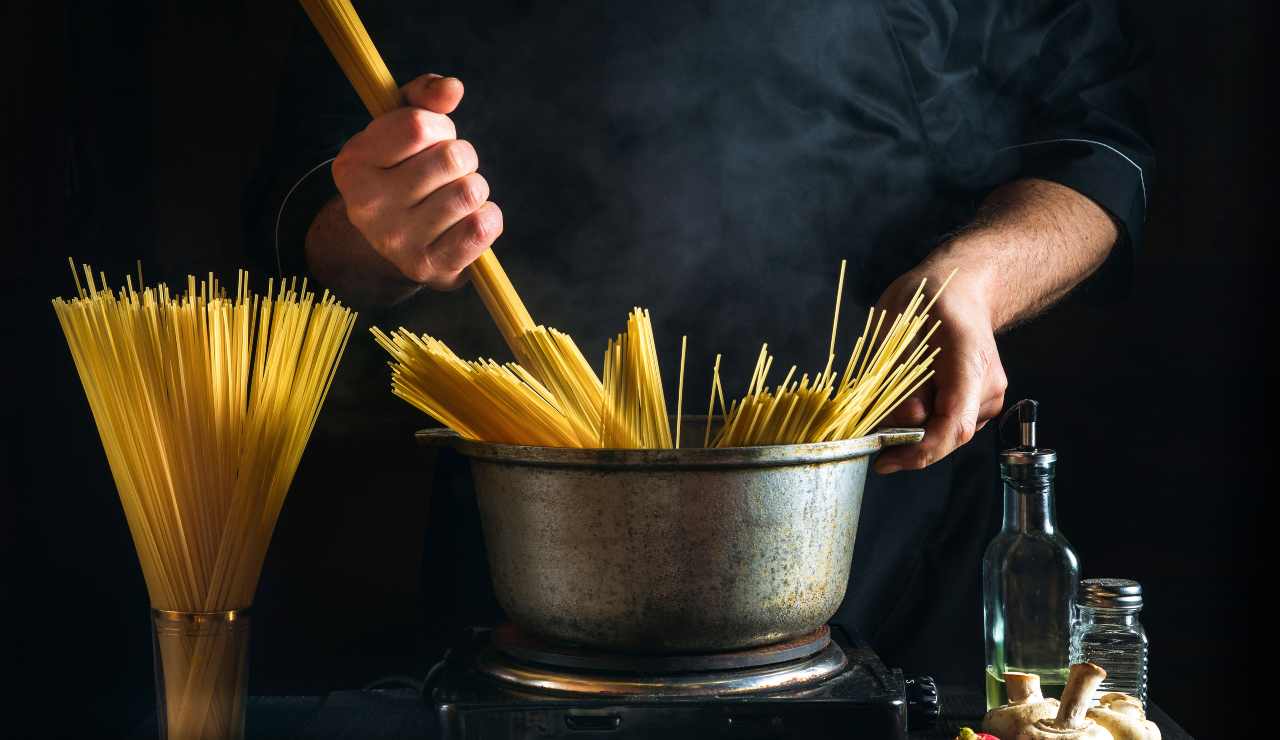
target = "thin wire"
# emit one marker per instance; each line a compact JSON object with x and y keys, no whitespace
{"x":280,"y":215}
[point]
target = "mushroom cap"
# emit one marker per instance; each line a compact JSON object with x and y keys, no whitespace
{"x":1122,"y":725}
{"x":1005,"y":722}
{"x":1046,"y":730}
{"x":1123,"y":703}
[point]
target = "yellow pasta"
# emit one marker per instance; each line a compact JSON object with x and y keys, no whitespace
{"x":832,"y":406}
{"x":204,"y":403}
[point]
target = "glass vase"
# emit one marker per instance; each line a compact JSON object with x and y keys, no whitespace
{"x":201,"y":665}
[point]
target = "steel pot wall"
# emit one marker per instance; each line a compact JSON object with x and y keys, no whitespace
{"x":665,"y":551}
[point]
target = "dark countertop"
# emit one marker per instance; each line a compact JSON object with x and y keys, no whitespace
{"x":399,"y":713}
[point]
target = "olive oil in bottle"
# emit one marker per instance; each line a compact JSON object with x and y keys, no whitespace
{"x":1029,"y":572}
{"x":997,"y":695}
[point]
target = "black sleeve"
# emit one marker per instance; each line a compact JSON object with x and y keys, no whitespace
{"x":1031,"y":88}
{"x":316,"y":112}
{"x":1072,"y":71}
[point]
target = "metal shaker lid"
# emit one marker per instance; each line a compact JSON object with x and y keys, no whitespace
{"x":1026,"y":453}
{"x":1110,"y":593}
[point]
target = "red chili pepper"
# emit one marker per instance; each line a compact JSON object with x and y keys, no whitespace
{"x":968,"y":734}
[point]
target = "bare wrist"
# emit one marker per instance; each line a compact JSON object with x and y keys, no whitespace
{"x":976,"y":279}
{"x":344,"y":261}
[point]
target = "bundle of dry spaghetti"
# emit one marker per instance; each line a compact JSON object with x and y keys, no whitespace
{"x":204,"y":403}
{"x":484,"y":400}
{"x":882,"y":372}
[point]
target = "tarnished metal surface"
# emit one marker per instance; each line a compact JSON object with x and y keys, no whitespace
{"x":779,"y":677}
{"x":514,"y":642}
{"x":670,"y":551}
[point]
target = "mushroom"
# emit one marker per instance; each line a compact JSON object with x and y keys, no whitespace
{"x":1026,"y":706}
{"x":1071,"y":722}
{"x":1124,"y":718}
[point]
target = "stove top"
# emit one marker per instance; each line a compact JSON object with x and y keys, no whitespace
{"x":500,"y":685}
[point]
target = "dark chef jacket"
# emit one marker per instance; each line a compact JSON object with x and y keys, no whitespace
{"x":714,"y":161}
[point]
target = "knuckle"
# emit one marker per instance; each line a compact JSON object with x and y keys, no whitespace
{"x":395,"y":240}
{"x":446,"y":127}
{"x":486,"y":225}
{"x":422,"y":269}
{"x":418,"y":124}
{"x":424,"y":274}
{"x":459,"y":157}
{"x":473,"y":191}
{"x":425,"y":128}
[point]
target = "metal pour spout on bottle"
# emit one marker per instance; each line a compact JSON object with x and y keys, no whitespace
{"x":1030,"y":573}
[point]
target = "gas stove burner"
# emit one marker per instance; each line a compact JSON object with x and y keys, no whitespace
{"x":527,"y":648}
{"x":791,"y":665}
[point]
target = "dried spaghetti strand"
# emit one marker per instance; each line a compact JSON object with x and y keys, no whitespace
{"x":711,"y":402}
{"x":684,"y":344}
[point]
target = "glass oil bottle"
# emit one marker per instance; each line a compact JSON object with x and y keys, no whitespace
{"x":1029,"y":572}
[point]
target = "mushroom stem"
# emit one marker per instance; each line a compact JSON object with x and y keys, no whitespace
{"x":1022,"y":687}
{"x":1077,"y":695}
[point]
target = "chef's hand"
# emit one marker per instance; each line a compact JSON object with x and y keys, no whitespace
{"x":1032,"y":242}
{"x":410,"y":188}
{"x":968,"y":388}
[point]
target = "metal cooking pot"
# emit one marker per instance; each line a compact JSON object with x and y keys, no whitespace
{"x":670,"y":551}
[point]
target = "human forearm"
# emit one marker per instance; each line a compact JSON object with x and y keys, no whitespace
{"x":343,"y":261}
{"x":1033,"y":241}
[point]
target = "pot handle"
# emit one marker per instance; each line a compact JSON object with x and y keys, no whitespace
{"x":893,"y":437}
{"x":437,"y":437}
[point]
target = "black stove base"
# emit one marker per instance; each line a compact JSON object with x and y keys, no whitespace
{"x":866,"y":700}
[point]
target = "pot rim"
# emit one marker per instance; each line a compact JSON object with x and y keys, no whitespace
{"x":767,"y":456}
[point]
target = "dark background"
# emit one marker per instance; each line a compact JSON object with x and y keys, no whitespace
{"x":1156,"y":403}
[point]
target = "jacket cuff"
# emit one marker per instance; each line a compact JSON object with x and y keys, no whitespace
{"x":1096,"y":170}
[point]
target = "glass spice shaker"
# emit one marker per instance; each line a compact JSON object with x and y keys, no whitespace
{"x":1107,"y":632}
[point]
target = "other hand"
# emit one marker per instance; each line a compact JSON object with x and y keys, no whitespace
{"x":968,"y":388}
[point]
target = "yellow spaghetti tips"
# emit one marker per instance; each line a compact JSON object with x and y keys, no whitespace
{"x":204,"y":403}
{"x":881,"y":373}
{"x":483,"y":400}
{"x":635,"y":409}
{"x":486,"y":401}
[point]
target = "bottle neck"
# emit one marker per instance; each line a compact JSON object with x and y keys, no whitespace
{"x":1028,"y":506}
